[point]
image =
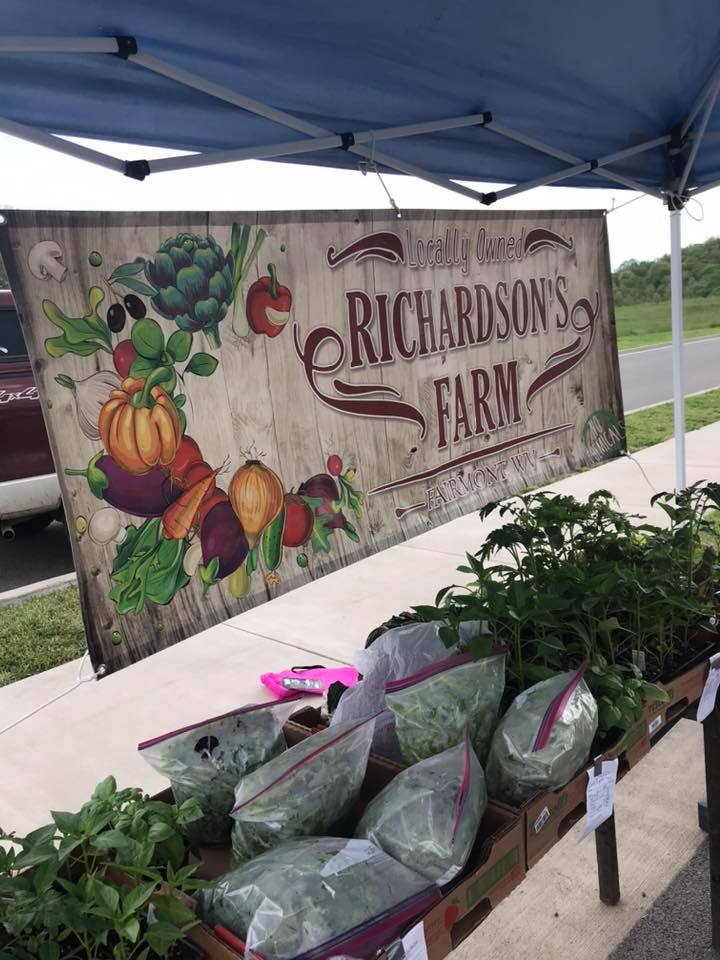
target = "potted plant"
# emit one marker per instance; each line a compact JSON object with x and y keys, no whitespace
{"x":562,"y":581}
{"x":106,"y":883}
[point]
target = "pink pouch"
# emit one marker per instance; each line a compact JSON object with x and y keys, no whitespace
{"x":315,"y":679}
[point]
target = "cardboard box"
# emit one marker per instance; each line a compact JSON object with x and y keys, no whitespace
{"x":495,"y":868}
{"x":496,"y":865}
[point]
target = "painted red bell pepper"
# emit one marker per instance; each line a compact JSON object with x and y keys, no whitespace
{"x":268,"y":303}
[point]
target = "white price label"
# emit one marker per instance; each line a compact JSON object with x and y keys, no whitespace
{"x":600,"y":796}
{"x":414,"y":944}
{"x":709,"y":694}
{"x":541,"y":820}
{"x":655,"y":725}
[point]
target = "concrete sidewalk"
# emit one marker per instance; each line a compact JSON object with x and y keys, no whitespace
{"x":53,"y":760}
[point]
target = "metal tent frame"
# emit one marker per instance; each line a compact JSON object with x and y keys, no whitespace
{"x":681,"y":144}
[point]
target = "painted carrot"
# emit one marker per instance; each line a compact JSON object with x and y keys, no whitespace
{"x":179,"y":517}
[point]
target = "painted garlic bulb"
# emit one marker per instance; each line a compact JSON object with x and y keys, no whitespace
{"x":90,"y":395}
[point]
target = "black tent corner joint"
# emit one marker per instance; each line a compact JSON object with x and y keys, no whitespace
{"x":137,"y":169}
{"x":127,"y":47}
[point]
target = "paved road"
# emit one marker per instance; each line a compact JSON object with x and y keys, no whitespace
{"x":646,"y":374}
{"x":646,"y":379}
{"x":33,"y":556}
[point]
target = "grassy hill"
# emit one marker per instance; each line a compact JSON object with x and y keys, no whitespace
{"x":642,"y":324}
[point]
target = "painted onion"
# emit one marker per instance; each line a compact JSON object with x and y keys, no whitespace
{"x":256,"y":494}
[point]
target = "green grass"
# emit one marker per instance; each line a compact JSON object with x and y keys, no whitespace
{"x":39,"y":634}
{"x":644,"y":324}
{"x":655,"y":424}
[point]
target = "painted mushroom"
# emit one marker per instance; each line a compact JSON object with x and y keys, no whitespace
{"x":45,"y":260}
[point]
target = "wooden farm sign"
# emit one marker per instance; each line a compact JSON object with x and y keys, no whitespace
{"x":240,"y":403}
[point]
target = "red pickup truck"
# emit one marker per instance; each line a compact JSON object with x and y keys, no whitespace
{"x":28,"y":485}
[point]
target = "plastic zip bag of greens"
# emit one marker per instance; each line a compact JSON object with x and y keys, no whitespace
{"x":205,"y":760}
{"x":303,"y":792}
{"x":433,"y":707}
{"x":397,"y":653}
{"x":412,"y":647}
{"x":544,"y":738}
{"x":367,"y":699}
{"x":428,"y":816}
{"x":318,"y":897}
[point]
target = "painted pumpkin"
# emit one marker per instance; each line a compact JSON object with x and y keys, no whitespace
{"x":139,"y":426}
{"x":256,"y":494}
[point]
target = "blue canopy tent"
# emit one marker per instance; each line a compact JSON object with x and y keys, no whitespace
{"x":611,"y":94}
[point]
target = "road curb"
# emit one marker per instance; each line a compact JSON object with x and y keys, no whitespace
{"x":649,"y":406}
{"x":38,"y":589}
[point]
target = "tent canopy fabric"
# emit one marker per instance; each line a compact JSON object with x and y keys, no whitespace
{"x":585,"y":80}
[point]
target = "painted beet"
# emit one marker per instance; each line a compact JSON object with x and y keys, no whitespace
{"x":322,"y":485}
{"x":222,"y":536}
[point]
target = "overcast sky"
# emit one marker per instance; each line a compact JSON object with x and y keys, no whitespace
{"x":35,"y":178}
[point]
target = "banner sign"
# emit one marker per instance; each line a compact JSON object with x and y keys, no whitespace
{"x":240,"y":403}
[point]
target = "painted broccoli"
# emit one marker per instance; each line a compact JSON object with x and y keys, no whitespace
{"x":193,"y":279}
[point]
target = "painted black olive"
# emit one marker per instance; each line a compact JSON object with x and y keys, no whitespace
{"x":134,"y":306}
{"x":116,"y":317}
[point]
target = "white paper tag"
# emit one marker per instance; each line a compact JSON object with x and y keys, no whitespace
{"x":655,"y":724}
{"x":709,"y":694}
{"x":600,"y":796}
{"x":638,"y":658}
{"x":541,"y":820}
{"x":354,"y":851}
{"x":414,"y":944}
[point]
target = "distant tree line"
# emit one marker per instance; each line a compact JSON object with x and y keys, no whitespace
{"x":648,"y":281}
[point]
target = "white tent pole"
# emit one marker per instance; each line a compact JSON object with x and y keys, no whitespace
{"x":704,"y":187}
{"x":291,"y":147}
{"x":52,"y":142}
{"x":540,"y":181}
{"x":564,"y":174}
{"x":631,"y":184}
{"x":155,"y":65}
{"x":698,"y":105}
{"x":503,"y":131}
{"x":676,"y":300}
{"x":58,"y":45}
{"x":710,"y":104}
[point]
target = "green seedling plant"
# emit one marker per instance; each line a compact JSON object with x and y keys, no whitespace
{"x":563,"y":581}
{"x":106,"y":882}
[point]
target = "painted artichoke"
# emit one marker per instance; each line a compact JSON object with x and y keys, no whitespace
{"x":193,"y":279}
